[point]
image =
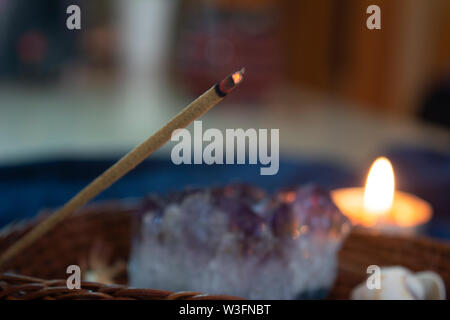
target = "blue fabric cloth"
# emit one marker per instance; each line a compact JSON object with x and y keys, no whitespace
{"x":25,"y":189}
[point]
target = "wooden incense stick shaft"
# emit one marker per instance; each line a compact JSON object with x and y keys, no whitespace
{"x":197,"y":108}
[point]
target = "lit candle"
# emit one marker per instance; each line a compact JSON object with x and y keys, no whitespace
{"x":380,"y":206}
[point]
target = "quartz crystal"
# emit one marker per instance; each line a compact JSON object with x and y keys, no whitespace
{"x":238,"y":240}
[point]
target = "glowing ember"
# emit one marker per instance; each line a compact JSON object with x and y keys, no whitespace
{"x":237,"y":77}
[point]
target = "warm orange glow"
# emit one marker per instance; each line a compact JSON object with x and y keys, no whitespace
{"x":380,"y":187}
{"x":380,"y":205}
{"x":237,"y":77}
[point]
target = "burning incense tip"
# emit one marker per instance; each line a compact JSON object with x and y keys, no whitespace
{"x":225,"y":86}
{"x":238,"y":76}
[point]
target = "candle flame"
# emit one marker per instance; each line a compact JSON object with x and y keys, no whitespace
{"x":380,"y":187}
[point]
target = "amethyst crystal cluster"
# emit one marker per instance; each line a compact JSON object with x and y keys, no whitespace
{"x":237,"y":240}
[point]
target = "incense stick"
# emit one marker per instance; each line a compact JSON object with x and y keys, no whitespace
{"x":128,"y":162}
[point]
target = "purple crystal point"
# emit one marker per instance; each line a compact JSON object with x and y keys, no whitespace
{"x":241,"y":217}
{"x":285,"y":221}
{"x":315,"y":211}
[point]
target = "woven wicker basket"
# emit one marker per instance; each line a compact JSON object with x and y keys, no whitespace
{"x":110,"y":223}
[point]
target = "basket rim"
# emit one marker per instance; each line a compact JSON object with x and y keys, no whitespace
{"x":16,"y":286}
{"x":92,"y":208}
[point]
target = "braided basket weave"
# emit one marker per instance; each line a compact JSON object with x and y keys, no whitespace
{"x":70,"y":242}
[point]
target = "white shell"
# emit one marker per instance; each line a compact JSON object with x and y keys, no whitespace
{"x":398,"y":283}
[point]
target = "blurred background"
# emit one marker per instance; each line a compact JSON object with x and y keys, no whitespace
{"x":73,"y":101}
